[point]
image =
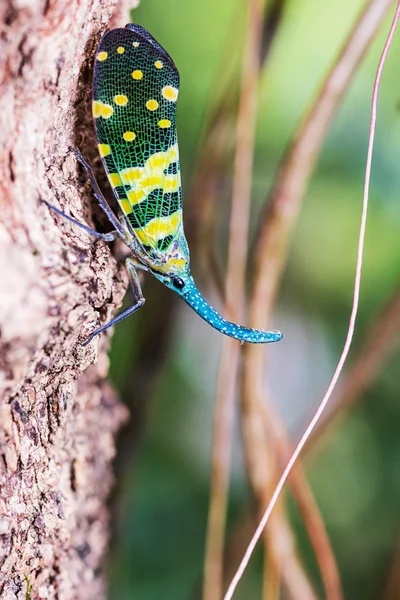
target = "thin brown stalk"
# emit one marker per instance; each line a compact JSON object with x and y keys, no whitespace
{"x":306,"y":503}
{"x":350,"y":331}
{"x":262,"y":467}
{"x":239,"y":540}
{"x":279,"y":220}
{"x":235,"y":286}
{"x":271,"y":585}
{"x":380,"y":343}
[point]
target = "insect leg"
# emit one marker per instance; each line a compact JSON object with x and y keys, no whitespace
{"x":137,"y":265}
{"x":97,"y":193}
{"x":138,"y":301}
{"x":106,"y":237}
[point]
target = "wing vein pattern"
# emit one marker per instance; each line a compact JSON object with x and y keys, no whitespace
{"x":135,"y":90}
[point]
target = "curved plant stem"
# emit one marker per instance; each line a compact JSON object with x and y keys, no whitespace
{"x":279,"y":538}
{"x":263,"y":470}
{"x":306,"y":503}
{"x":353,"y":315}
{"x":275,"y":233}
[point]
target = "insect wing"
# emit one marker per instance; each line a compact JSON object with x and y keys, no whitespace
{"x":135,"y":90}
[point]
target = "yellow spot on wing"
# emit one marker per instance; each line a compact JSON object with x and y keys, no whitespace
{"x":170,"y":93}
{"x":136,"y":196}
{"x":126,"y":206}
{"x":102,"y":56}
{"x":158,"y":64}
{"x":106,"y":111}
{"x":96,"y":108}
{"x":177,"y":262}
{"x":120,"y":49}
{"x":104,"y":150}
{"x":99,"y":109}
{"x":129,"y":136}
{"x":131,"y":175}
{"x":115,"y":179}
{"x":143,"y":180}
{"x":172,"y":154}
{"x":171,"y":183}
{"x":121,"y":99}
{"x":135,"y":44}
{"x":151,"y":183}
{"x":159,"y":228}
{"x":173,"y":264}
{"x":137,"y":74}
{"x":164,"y":123}
{"x":157,"y":161}
{"x":152,"y":104}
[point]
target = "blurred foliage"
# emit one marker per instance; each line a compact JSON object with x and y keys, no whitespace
{"x":161,"y":500}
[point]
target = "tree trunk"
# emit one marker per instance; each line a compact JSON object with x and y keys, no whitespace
{"x":58,"y":415}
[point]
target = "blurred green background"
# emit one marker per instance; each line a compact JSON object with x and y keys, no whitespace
{"x":164,"y":360}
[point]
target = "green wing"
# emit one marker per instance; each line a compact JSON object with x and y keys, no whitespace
{"x":135,"y":89}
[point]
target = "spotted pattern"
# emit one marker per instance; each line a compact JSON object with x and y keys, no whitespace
{"x":104,"y":150}
{"x":115,"y":179}
{"x":152,"y":104}
{"x":170,"y":93}
{"x":121,"y":99}
{"x":141,"y":82}
{"x":129,"y":136}
{"x":135,"y":91}
{"x":102,"y":110}
{"x":191,"y":295}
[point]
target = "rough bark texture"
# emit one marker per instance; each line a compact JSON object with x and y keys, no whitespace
{"x":58,"y":415}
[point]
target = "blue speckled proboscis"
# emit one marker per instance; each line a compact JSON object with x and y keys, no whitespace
{"x":191,"y":295}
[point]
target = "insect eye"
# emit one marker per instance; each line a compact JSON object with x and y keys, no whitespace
{"x":178,"y":282}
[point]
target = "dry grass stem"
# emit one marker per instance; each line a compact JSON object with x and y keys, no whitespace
{"x":277,"y":226}
{"x":353,"y":316}
{"x":271,"y":584}
{"x":261,"y":459}
{"x":306,"y":503}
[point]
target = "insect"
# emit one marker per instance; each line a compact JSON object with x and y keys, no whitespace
{"x":135,"y":92}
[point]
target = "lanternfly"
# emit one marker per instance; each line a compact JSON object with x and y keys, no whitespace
{"x":135,"y":92}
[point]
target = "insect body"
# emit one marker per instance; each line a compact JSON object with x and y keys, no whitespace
{"x":135,"y":91}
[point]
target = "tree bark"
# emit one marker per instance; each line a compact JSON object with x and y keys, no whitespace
{"x":58,"y":415}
